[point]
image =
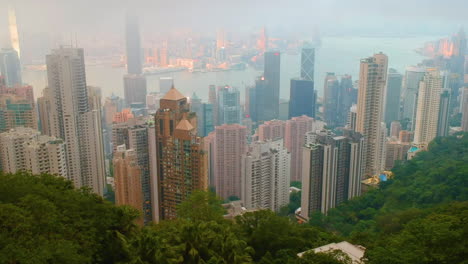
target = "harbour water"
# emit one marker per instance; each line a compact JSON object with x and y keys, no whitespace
{"x":336,"y":54}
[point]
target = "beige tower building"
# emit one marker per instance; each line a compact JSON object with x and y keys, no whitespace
{"x":464,"y":122}
{"x":25,"y":149}
{"x":296,"y":128}
{"x":127,"y":178}
{"x":71,"y":112}
{"x":229,"y":144}
{"x":427,"y":113}
{"x":372,"y":83}
{"x":270,"y":130}
{"x":265,"y":176}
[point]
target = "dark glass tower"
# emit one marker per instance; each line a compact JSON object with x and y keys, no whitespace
{"x":307,"y":62}
{"x":272,"y":78}
{"x":302,"y":98}
{"x":392,"y":104}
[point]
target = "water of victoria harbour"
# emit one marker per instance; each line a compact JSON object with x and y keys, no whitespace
{"x":336,"y":54}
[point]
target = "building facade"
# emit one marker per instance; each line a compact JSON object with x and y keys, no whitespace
{"x":181,"y":161}
{"x":372,"y":83}
{"x":265,"y":176}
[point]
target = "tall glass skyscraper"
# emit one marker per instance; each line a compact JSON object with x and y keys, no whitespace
{"x":10,"y":67}
{"x":133,"y":45}
{"x":272,"y":77}
{"x":302,"y":98}
{"x":307,"y":62}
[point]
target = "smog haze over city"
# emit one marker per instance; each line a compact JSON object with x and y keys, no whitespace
{"x":240,"y":131}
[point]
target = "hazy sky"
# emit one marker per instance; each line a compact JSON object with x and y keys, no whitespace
{"x":332,"y":16}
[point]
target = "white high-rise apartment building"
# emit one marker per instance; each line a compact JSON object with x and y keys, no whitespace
{"x":75,"y":117}
{"x":25,"y":149}
{"x":427,"y":114}
{"x":266,"y":176}
{"x":372,"y":83}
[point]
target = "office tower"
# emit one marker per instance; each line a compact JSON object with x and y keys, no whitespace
{"x":348,"y":97}
{"x":13,"y":28}
{"x":72,"y":118}
{"x":331,"y":99}
{"x":204,"y":113}
{"x":427,"y":113}
{"x":296,"y":128}
{"x":165,"y":84}
{"x":464,"y":122}
{"x":112,"y":105}
{"x":127,"y":179}
{"x":262,"y":42}
{"x":10,"y":67}
{"x":406,"y":136}
{"x":135,"y":89}
{"x":265,"y":176}
{"x":260,"y":102}
{"x":177,"y":144}
{"x":272,"y":77}
{"x":395,"y":128}
{"x":135,"y":134}
{"x":132,"y":34}
{"x":307,"y":62}
{"x":302,"y":98}
{"x":123,"y":116}
{"x":395,"y":151}
{"x":16,"y":111}
{"x":25,"y":91}
{"x":443,"y":119}
{"x":272,"y":130}
{"x":351,"y":121}
{"x":229,"y":109}
{"x":25,"y":149}
{"x":392,"y":97}
{"x":229,"y":144}
{"x":332,"y":170}
{"x":411,"y":81}
{"x":372,"y":82}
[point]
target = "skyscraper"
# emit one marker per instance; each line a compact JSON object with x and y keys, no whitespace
{"x":427,"y":114}
{"x":73,"y":118}
{"x":127,"y":175}
{"x":10,"y":67}
{"x":181,"y":161}
{"x":307,"y":62}
{"x":135,"y":89}
{"x":331,"y":99}
{"x":265,"y":176}
{"x":302,"y":98}
{"x":272,"y":130}
{"x":272,"y":78}
{"x":204,"y":113}
{"x":229,"y":109}
{"x":132,"y":34}
{"x":411,"y":81}
{"x":392,"y":97}
{"x":444,"y":114}
{"x":16,"y":111}
{"x":464,"y":122}
{"x":229,"y":144}
{"x":25,"y":149}
{"x":332,"y":170}
{"x":296,"y":128}
{"x":136,"y":134}
{"x":372,"y":82}
{"x":13,"y":28}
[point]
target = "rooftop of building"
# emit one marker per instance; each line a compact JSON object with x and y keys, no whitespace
{"x":173,"y":94}
{"x":355,"y":252}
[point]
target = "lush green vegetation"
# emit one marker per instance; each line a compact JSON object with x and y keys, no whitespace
{"x":419,"y":216}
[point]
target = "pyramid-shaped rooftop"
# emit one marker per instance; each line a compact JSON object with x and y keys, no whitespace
{"x":173,"y":94}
